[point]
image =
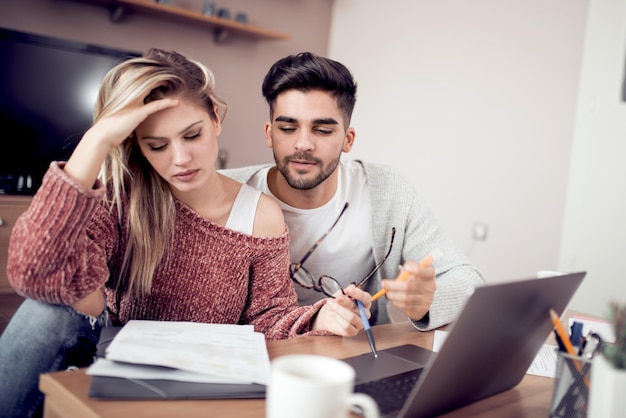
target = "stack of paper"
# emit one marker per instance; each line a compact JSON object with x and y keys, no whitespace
{"x":154,"y":351}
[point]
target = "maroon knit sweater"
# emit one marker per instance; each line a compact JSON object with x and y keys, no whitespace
{"x":67,"y":243}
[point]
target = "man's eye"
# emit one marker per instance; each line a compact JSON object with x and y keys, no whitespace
{"x":287,"y":129}
{"x":324,"y":131}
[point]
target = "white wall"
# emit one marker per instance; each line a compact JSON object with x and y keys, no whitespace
{"x":594,"y":233}
{"x":477,"y":101}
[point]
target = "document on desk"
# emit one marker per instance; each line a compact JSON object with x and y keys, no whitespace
{"x":193,"y":352}
{"x":108,"y":368}
{"x":544,"y":363}
{"x":601,"y":327}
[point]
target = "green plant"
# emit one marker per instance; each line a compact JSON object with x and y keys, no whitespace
{"x":616,"y":353}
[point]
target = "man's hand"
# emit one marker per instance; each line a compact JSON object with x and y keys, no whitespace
{"x":415,"y":294}
{"x":340,"y":315}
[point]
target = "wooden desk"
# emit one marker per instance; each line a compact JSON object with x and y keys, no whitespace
{"x":66,"y":392}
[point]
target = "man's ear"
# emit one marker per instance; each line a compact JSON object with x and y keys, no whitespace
{"x":348,"y":141}
{"x":268,"y":134}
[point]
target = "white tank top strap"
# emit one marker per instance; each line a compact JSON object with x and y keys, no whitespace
{"x":242,"y":214}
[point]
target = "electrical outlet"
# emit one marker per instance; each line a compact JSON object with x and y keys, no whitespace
{"x":479,"y":231}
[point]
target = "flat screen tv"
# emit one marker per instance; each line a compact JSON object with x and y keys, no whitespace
{"x":48,"y":87}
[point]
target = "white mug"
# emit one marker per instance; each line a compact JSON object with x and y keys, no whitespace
{"x":314,"y":386}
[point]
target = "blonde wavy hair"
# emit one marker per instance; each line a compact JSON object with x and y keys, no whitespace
{"x":128,"y":176}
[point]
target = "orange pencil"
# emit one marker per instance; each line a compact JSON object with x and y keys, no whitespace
{"x":562,"y":333}
{"x":426,"y":261}
{"x":558,"y":326}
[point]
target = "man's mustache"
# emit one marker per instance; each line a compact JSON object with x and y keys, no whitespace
{"x":302,"y":157}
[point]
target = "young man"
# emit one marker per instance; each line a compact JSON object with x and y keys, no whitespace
{"x":311,"y":100}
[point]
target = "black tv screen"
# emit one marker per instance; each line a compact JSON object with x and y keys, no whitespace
{"x":48,"y":88}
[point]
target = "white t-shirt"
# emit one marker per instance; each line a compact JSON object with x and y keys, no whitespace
{"x":346,"y":253}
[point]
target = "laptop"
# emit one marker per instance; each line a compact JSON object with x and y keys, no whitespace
{"x":488,"y":350}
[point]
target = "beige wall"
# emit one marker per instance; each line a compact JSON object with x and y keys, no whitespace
{"x":239,"y":65}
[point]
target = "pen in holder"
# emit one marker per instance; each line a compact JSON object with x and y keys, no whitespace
{"x":571,"y":386}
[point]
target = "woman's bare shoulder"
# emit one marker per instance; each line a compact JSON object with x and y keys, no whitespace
{"x":269,"y":220}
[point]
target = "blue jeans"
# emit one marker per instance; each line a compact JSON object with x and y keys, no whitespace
{"x":42,"y":338}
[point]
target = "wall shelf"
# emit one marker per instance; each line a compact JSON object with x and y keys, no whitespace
{"x":222,"y":28}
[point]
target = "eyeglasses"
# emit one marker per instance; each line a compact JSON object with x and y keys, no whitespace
{"x":327,"y":284}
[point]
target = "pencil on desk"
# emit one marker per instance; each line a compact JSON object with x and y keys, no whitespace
{"x":426,"y":261}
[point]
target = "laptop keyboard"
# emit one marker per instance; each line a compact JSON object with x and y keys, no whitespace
{"x":390,"y":393}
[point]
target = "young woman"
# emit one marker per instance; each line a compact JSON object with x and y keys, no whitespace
{"x":139,"y":222}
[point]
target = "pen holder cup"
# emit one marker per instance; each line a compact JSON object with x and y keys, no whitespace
{"x":571,"y":386}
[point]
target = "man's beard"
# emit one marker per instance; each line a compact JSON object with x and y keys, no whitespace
{"x":305,"y":183}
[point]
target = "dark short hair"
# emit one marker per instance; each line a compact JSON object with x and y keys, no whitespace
{"x":307,"y":71}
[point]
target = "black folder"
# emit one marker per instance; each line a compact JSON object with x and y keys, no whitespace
{"x":104,"y":387}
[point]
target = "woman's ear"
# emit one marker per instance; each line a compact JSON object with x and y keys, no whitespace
{"x":217,"y":121}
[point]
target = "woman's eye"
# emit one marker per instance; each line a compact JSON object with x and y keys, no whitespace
{"x":193,"y":136}
{"x":157,"y":147}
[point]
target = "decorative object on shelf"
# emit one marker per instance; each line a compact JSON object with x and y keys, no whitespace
{"x":222,"y":159}
{"x":241,"y":17}
{"x":608,"y":374}
{"x":223,"y":13}
{"x":209,"y":8}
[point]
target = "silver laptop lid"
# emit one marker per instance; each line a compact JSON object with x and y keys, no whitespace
{"x":492,"y":343}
